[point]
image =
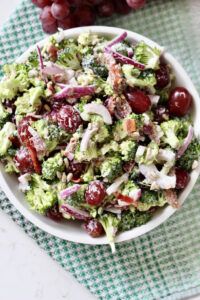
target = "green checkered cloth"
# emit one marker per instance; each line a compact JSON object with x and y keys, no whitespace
{"x":165,"y":263}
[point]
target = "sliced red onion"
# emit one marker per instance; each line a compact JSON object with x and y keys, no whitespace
{"x":53,"y":69}
{"x":34,"y":116}
{"x":69,"y":155}
{"x":40,"y":58}
{"x":38,"y":143}
{"x":154,"y":99}
{"x":75,"y":212}
{"x":117,"y":40}
{"x":69,"y":191}
{"x":90,"y":131}
{"x":124,"y":59}
{"x":116,"y":184}
{"x":75,"y":92}
{"x":186,"y":142}
{"x":99,"y":109}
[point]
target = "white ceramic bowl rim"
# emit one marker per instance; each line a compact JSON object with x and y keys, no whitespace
{"x":68,"y":232}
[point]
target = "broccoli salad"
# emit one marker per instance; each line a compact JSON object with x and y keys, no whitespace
{"x":96,"y":130}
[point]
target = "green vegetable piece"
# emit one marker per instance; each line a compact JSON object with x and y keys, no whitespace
{"x":69,"y":56}
{"x":7,"y":130}
{"x":103,"y":132}
{"x":147,"y":55}
{"x":127,"y":221}
{"x":110,"y":148}
{"x":151,"y":199}
{"x":128,"y":150}
{"x":91,"y":153}
{"x":111,"y":168}
{"x":110,"y":224}
{"x":77,"y":199}
{"x":4,"y":115}
{"x":30,"y":101}
{"x":91,"y":62}
{"x":89,"y":175}
{"x":42,"y":195}
{"x":51,"y":166}
{"x":149,"y":155}
{"x":191,"y":155}
{"x":129,"y":189}
{"x":142,"y":218}
{"x":171,"y":130}
{"x":10,"y":167}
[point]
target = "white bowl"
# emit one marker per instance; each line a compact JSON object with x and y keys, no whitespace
{"x":72,"y":231}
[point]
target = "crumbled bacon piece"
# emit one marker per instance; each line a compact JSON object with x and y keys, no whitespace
{"x":172,"y":198}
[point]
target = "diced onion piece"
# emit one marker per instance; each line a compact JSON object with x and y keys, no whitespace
{"x":154,"y":99}
{"x":90,"y":131}
{"x":75,"y":212}
{"x":116,"y":184}
{"x":114,"y":210}
{"x":99,"y":109}
{"x":24,"y":182}
{"x":69,"y":191}
{"x":186,"y":142}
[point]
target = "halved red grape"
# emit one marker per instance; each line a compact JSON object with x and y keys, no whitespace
{"x":41,"y":3}
{"x":138,"y":101}
{"x":95,"y":193}
{"x":180,"y":101}
{"x":54,"y":214}
{"x":162,"y":77}
{"x":182,"y":178}
{"x":106,"y":9}
{"x":23,"y":161}
{"x":69,"y":118}
{"x":94,"y":228}
{"x":60,"y":10}
{"x":136,"y":4}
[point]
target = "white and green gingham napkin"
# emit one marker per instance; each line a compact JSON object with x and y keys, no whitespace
{"x":164,"y":264}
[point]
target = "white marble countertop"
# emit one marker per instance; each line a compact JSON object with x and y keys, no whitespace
{"x":26,"y":271}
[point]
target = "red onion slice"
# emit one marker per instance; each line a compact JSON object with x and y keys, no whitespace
{"x":116,"y":184}
{"x":40,"y":58}
{"x":186,"y":142}
{"x":75,"y":212}
{"x":124,"y":59}
{"x":75,"y":92}
{"x":99,"y":109}
{"x":69,"y":191}
{"x":117,"y":40}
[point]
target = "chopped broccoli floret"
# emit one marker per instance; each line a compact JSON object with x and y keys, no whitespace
{"x":77,"y":199}
{"x":174,"y":132}
{"x":110,"y":147}
{"x":88,"y":39}
{"x":4,"y":115}
{"x":191,"y":154}
{"x":147,"y":55}
{"x":111,"y":168}
{"x":50,"y":133}
{"x":68,"y":56}
{"x":127,"y":221}
{"x":147,"y":155}
{"x":142,"y":79}
{"x":102,"y":134}
{"x":119,"y":131}
{"x":30,"y":101}
{"x":89,"y":174}
{"x":130,"y":189}
{"x":8,"y":89}
{"x":10,"y":167}
{"x":33,"y":61}
{"x":91,"y":153}
{"x":151,"y":199}
{"x":128,"y":150}
{"x":124,"y":48}
{"x":51,"y":166}
{"x":110,"y":224}
{"x":91,"y":62}
{"x":42,"y":195}
{"x":142,"y":218}
{"x":7,"y":130}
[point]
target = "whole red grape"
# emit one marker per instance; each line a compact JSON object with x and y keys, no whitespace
{"x":180,"y":102}
{"x":67,"y":23}
{"x":84,"y":16}
{"x":41,"y":3}
{"x":94,"y":228}
{"x":46,"y":16}
{"x":121,"y":7}
{"x":136,"y":4}
{"x":60,"y":10}
{"x":50,"y":28}
{"x":138,"y":101}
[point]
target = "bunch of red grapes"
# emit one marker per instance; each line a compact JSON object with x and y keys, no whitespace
{"x":74,"y":13}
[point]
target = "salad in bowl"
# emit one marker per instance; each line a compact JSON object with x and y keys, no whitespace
{"x":97,"y":131}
